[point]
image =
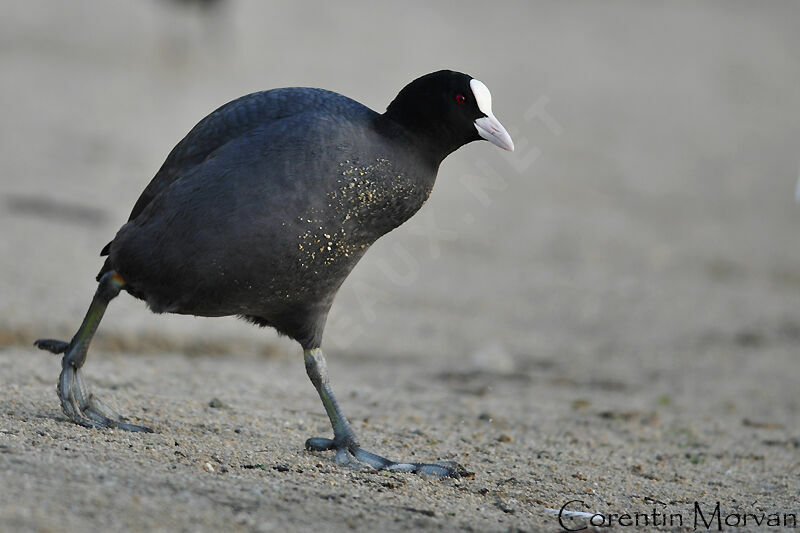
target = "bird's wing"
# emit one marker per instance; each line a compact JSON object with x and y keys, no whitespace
{"x":226,"y":124}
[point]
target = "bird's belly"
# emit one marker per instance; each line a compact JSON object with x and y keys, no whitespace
{"x":262,"y":283}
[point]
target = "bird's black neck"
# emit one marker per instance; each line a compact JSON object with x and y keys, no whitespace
{"x":432,"y":141}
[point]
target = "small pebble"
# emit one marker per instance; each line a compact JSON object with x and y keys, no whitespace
{"x":216,"y":403}
{"x":208,"y":467}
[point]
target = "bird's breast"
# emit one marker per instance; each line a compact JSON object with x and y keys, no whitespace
{"x":367,"y":199}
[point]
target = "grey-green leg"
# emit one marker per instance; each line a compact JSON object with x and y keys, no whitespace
{"x":344,"y":440}
{"x":77,"y":402}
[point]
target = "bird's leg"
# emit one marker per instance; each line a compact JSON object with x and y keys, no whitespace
{"x":344,"y":440}
{"x":77,"y":402}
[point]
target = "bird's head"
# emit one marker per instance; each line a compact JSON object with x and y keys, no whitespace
{"x":449,"y":109}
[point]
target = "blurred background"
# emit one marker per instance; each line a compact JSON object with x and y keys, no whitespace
{"x":647,"y":216}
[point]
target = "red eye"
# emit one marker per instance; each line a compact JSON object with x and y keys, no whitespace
{"x":460,"y":98}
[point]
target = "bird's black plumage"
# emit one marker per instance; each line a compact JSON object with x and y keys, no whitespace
{"x":268,"y":203}
{"x":265,"y":207}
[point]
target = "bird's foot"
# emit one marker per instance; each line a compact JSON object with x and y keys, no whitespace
{"x":84,"y":408}
{"x":348,"y":452}
{"x":77,"y":402}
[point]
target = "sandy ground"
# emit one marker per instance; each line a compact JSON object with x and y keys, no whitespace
{"x":610,"y":314}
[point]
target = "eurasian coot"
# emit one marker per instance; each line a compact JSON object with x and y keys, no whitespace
{"x":264,"y":208}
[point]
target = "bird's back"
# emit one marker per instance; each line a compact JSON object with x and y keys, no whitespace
{"x":235,"y":119}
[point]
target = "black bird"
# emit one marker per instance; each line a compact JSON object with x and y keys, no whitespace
{"x":265,"y":207}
